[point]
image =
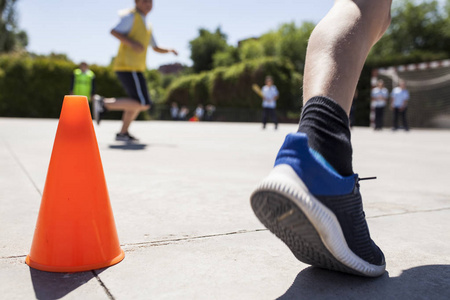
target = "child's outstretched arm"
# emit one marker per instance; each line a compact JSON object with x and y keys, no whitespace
{"x":127,"y":41}
{"x":164,"y":50}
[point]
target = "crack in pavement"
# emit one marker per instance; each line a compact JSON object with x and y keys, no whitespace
{"x":13,"y":257}
{"x":190,"y":238}
{"x":410,"y":212}
{"x":170,"y":241}
{"x":16,"y":158}
{"x":108,"y":293}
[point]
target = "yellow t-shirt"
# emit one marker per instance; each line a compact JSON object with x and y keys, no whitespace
{"x":127,"y":59}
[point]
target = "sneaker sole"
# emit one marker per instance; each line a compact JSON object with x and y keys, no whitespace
{"x":310,"y":230}
{"x":123,"y":139}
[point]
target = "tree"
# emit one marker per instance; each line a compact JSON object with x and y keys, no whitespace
{"x":289,"y":42}
{"x":251,"y":49}
{"x":269,"y":42}
{"x":416,"y":28}
{"x":226,"y":58}
{"x":446,"y":28}
{"x":205,"y":46}
{"x":11,"y":38}
{"x":293,"y":41}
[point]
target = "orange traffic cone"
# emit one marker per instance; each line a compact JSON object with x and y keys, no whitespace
{"x":75,"y":229}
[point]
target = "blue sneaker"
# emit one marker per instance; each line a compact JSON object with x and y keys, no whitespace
{"x":316,"y":212}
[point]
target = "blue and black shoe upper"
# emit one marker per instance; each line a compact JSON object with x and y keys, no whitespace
{"x":338,"y":193}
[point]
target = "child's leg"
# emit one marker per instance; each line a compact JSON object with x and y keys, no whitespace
{"x":274,"y":117}
{"x":338,"y":47}
{"x":128,"y":117}
{"x":336,"y":53}
{"x":124,"y":104}
{"x":405,"y":121}
{"x":264,"y":117}
{"x":311,"y":198}
{"x":136,"y":87}
{"x":395,"y":121}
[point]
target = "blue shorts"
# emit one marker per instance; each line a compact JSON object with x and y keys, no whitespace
{"x":135,"y":85}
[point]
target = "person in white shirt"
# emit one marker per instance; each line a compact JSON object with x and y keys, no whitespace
{"x":199,"y":112}
{"x":399,"y":103}
{"x":269,"y":103}
{"x":379,"y":97}
{"x":174,"y":111}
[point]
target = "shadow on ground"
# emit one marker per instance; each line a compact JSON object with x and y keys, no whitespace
{"x":50,"y":286}
{"x":137,"y":146}
{"x":129,"y":146}
{"x":425,"y":282}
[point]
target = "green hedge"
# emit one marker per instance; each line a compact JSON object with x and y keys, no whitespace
{"x":231,"y":86}
{"x":35,"y":87}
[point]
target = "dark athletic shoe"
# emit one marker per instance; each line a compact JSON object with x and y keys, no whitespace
{"x":316,"y":212}
{"x":125,"y":137}
{"x":98,"y":108}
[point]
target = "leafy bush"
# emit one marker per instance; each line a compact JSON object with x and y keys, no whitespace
{"x":106,"y":82}
{"x":179,"y":90}
{"x":35,"y":86}
{"x":205,"y":46}
{"x":231,"y":86}
{"x":200,"y":88}
{"x":251,"y":49}
{"x":226,"y":58}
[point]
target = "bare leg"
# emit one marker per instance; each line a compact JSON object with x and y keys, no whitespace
{"x":124,"y":104}
{"x":131,"y":109}
{"x":314,"y":208}
{"x":338,"y":47}
{"x":128,"y":117}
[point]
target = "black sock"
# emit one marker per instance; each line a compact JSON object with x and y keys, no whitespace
{"x":327,"y":126}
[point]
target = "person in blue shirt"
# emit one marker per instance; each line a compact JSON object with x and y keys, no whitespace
{"x":399,"y":103}
{"x":270,"y":96}
{"x":379,"y":97}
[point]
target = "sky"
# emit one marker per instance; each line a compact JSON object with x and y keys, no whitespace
{"x":81,"y":28}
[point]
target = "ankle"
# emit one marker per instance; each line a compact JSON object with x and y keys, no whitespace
{"x":327,"y":126}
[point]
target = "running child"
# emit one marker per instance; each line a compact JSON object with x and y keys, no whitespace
{"x":135,"y":35}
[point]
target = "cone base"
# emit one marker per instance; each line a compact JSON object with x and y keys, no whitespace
{"x":72,"y":269}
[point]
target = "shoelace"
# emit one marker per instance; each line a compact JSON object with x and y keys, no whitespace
{"x":366,"y":178}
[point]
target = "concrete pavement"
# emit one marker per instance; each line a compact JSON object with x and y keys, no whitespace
{"x":181,"y":203}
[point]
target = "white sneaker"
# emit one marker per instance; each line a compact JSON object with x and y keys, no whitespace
{"x":98,"y":108}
